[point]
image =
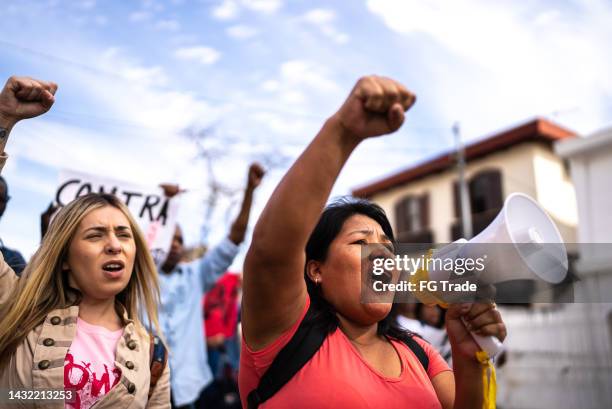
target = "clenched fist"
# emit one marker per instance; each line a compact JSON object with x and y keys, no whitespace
{"x":375,"y":107}
{"x":24,"y":97}
{"x":171,"y":190}
{"x":482,"y":318}
{"x":256,"y":174}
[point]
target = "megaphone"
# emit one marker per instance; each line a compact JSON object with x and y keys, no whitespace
{"x":533,"y":250}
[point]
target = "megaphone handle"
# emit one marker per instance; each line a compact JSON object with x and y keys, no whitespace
{"x":491,"y":345}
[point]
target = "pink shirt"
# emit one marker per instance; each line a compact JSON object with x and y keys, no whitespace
{"x":89,"y":366}
{"x":337,"y":376}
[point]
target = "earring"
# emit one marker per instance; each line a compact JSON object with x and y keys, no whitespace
{"x":317,"y":281}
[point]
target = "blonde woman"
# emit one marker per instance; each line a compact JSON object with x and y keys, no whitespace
{"x":70,"y":323}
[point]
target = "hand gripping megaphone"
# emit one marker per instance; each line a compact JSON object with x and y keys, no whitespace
{"x":533,"y":249}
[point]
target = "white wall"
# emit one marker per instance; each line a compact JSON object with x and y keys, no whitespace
{"x":555,"y":192}
{"x":560,"y":356}
{"x":557,"y":358}
{"x":530,"y":168}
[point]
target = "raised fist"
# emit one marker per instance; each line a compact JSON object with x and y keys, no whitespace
{"x":171,"y":190}
{"x":256,"y":174}
{"x":375,"y":107}
{"x":24,"y":97}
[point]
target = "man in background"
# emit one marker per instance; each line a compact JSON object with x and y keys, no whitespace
{"x":12,"y":257}
{"x":182,"y":286}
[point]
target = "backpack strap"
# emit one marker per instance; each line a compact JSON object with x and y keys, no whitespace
{"x":159,"y":359}
{"x":301,"y":347}
{"x":418,"y":350}
{"x":306,"y":341}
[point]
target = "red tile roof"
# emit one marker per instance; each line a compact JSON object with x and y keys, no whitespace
{"x":539,"y":130}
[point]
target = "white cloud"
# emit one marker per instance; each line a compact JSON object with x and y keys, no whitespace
{"x":241,"y":32}
{"x":139,"y":97}
{"x":337,"y":37}
{"x":324,"y":20}
{"x":140,"y":16}
{"x":123,"y":120}
{"x":202,"y":54}
{"x":168,"y":25}
{"x":231,"y":9}
{"x":227,"y":10}
{"x":547,"y":17}
{"x":270,"y":85}
{"x":60,"y":146}
{"x":143,"y":145}
{"x":296,"y":90}
{"x":154,"y":5}
{"x":264,"y":6}
{"x":507,"y":65}
{"x":278,"y":123}
{"x":320,"y":16}
{"x":116,"y":60}
{"x":307,"y":74}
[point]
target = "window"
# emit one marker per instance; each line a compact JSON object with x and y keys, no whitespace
{"x":414,"y":215}
{"x":486,"y":200}
{"x":412,"y":219}
{"x":485,"y":191}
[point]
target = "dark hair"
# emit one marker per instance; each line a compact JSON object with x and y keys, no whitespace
{"x":6,"y":189}
{"x":332,"y":219}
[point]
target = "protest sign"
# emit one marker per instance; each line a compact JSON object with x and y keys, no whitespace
{"x":154,"y":212}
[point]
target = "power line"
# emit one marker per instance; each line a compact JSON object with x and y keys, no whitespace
{"x":114,"y":75}
{"x":61,"y":60}
{"x":241,"y":102}
{"x":227,"y":137}
{"x":112,"y":121}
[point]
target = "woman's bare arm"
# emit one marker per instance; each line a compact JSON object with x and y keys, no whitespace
{"x":21,"y":98}
{"x":274,"y":289}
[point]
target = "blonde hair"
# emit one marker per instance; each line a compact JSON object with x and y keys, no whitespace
{"x":44,"y":286}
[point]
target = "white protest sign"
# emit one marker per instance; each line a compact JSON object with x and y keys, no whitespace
{"x":154,"y":212}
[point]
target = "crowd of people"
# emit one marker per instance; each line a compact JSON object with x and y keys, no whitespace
{"x":90,"y":314}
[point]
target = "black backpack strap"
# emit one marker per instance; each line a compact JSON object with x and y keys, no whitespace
{"x":306,"y":341}
{"x":418,"y":350}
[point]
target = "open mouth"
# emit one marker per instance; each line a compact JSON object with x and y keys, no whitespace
{"x":113,"y":268}
{"x":385,"y":276}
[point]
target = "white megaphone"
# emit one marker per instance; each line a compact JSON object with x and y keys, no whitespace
{"x":534,"y":250}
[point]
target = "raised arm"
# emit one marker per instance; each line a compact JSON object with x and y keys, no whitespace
{"x":216,"y":262}
{"x":274,"y":288}
{"x":20,"y":98}
{"x":239,"y":227}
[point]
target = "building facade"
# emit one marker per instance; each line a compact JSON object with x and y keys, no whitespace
{"x":558,"y":355}
{"x":423,"y":201}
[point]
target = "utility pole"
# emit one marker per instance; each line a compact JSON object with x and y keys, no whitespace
{"x":464,"y":196}
{"x":211,"y":201}
{"x":209,"y":154}
{"x":206,"y":143}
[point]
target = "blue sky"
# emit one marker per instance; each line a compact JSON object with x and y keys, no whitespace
{"x":262,"y":76}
